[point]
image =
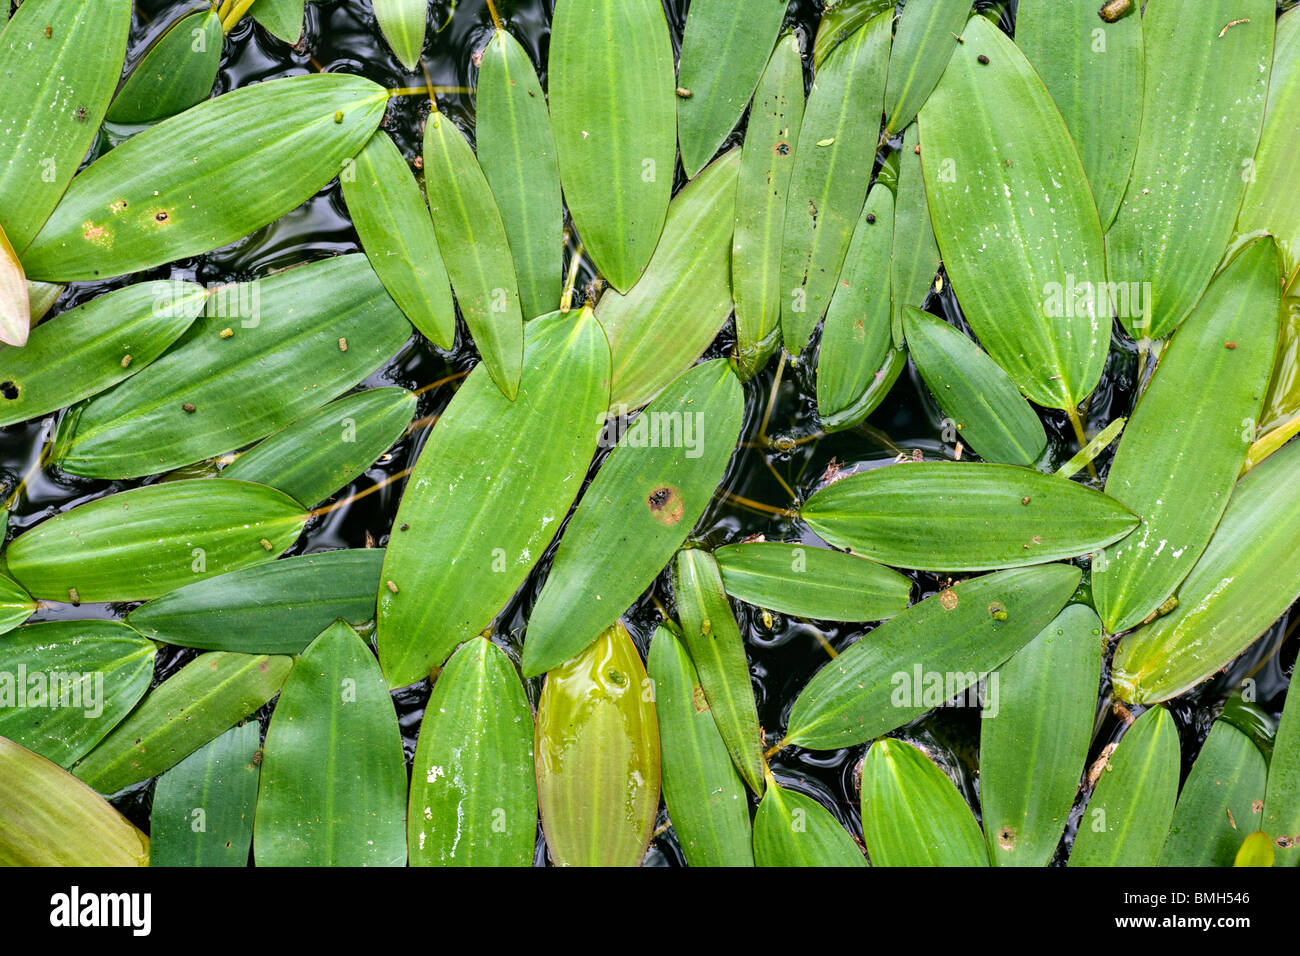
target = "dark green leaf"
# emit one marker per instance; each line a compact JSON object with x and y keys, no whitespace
{"x":915,"y":258}
{"x":176,"y":73}
{"x":403,"y":24}
{"x":1282,"y":795}
{"x":927,"y":34}
{"x":16,"y":605}
{"x":281,"y":18}
{"x":791,"y":829}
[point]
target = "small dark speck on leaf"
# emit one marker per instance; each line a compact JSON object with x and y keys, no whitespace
{"x":871,"y":218}
{"x":9,"y":390}
{"x":984,"y":61}
{"x":187,"y":407}
{"x":1229,"y":345}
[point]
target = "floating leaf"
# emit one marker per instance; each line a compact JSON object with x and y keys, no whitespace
{"x":427,"y":608}
{"x":1034,"y":746}
{"x":319,"y":454}
{"x":1015,"y":220}
{"x":964,"y":516}
{"x":87,"y":349}
{"x":915,"y":255}
{"x":912,"y":814}
{"x":65,"y":684}
{"x":841,"y":20}
{"x":393,"y":223}
{"x":598,"y":756}
{"x":961,"y":633}
{"x":516,"y":148}
{"x":142,"y":543}
{"x":1217,"y":805}
{"x":59,"y":86}
{"x":1133,"y":804}
{"x":615,"y":113}
{"x":1282,"y":795}
{"x":984,"y":404}
{"x":1256,"y":850}
{"x":15,"y":303}
{"x":812,"y":582}
{"x":333,"y":787}
{"x":298,"y":339}
{"x":1093,"y":69}
{"x":705,"y":796}
{"x":473,"y":791}
{"x":637,"y":511}
{"x":202,"y":813}
{"x":832,"y":169}
{"x":1272,"y":202}
{"x":716,"y":647}
{"x":16,"y":605}
{"x":856,"y":336}
{"x":176,"y":73}
{"x":1204,"y":87}
{"x":275,"y":608}
{"x":150,"y":201}
{"x":281,"y":18}
{"x":472,"y":237}
{"x":204,"y":699}
{"x":1179,"y":457}
{"x":403,"y":24}
{"x":1247,"y":577}
{"x":762,"y":186}
{"x":50,"y":818}
{"x":724,"y":47}
{"x":670,"y":318}
{"x":791,"y":829}
{"x":927,"y":34}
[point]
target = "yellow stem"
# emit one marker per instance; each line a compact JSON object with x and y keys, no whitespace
{"x":238,"y":9}
{"x":1077,"y":424}
{"x":566,"y":300}
{"x":496,"y":18}
{"x":771,"y":400}
{"x":360,"y":494}
{"x":424,"y":90}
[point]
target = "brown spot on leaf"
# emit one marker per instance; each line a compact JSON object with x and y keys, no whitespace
{"x":666,"y":505}
{"x":947,"y":599}
{"x":699,"y":700}
{"x":1007,"y":838}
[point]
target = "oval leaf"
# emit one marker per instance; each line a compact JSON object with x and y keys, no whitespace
{"x":791,"y":829}
{"x":403,"y":24}
{"x":176,"y":73}
{"x":923,"y":43}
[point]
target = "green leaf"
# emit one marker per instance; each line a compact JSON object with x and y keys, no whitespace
{"x":1015,"y":221}
{"x":724,"y":47}
{"x":1272,"y":203}
{"x":50,"y":818}
{"x":915,"y":257}
{"x":333,"y":787}
{"x":430,"y":607}
{"x":1216,"y":808}
{"x":1256,"y":850}
{"x":65,"y":684}
{"x":281,"y":18}
{"x":648,"y":495}
{"x":204,"y":699}
{"x":877,"y":391}
{"x":1132,"y":806}
{"x":832,"y":169}
{"x":15,"y":301}
{"x":472,"y":237}
{"x":298,"y":339}
{"x":926,"y":36}
{"x":275,"y":608}
{"x":840,"y":20}
{"x":321,"y":453}
{"x":16,"y":605}
{"x":473,"y":792}
{"x":403,"y":24}
{"x":705,"y":796}
{"x":714,"y":642}
{"x":150,"y":201}
{"x":176,"y":73}
{"x":202,"y":812}
{"x":856,"y":336}
{"x":670,"y":318}
{"x":762,"y":186}
{"x":393,"y":223}
{"x":59,"y":87}
{"x":912,"y":814}
{"x":87,"y":349}
{"x":1282,"y":406}
{"x":987,"y":409}
{"x":791,"y":829}
{"x":42,"y":296}
{"x":516,"y":148}
{"x":1180,"y":455}
{"x":1034,"y":745}
{"x":142,"y":543}
{"x":1247,"y":577}
{"x":1204,"y":87}
{"x":615,"y":113}
{"x":598,"y":756}
{"x":960,"y":633}
{"x":964,"y":516}
{"x":1282,"y":794}
{"x":812,"y":582}
{"x":1093,"y":69}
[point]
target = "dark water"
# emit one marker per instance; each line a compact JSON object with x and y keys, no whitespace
{"x":341,"y":36}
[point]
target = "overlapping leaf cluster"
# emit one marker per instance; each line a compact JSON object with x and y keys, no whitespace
{"x":1077,"y":224}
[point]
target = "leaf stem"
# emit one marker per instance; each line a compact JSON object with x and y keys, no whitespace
{"x":566,"y":299}
{"x":1077,"y":424}
{"x":496,"y":17}
{"x":238,"y":9}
